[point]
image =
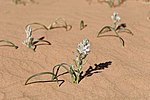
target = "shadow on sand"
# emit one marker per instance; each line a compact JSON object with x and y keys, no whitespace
{"x":93,"y":70}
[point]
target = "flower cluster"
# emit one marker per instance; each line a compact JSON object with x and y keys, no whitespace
{"x":82,"y":51}
{"x":83,"y":47}
{"x":29,"y":39}
{"x":115,"y":17}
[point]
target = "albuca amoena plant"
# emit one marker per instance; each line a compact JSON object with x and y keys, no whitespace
{"x":74,"y":70}
{"x":116,"y":28}
{"x":31,"y":42}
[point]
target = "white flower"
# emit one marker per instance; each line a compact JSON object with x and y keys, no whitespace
{"x":28,"y":31}
{"x":29,"y":39}
{"x":83,"y":47}
{"x":115,"y":17}
{"x":29,"y":42}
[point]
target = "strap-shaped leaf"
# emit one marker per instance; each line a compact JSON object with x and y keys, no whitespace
{"x":11,"y":44}
{"x":39,"y":74}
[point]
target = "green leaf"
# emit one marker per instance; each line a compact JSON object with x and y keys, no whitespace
{"x":38,"y":74}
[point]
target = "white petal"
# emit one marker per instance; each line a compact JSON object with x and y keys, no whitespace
{"x":87,"y":50}
{"x":28,"y":31}
{"x":118,"y":18}
{"x":115,"y":17}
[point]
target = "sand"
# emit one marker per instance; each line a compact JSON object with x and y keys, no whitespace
{"x":127,"y":77}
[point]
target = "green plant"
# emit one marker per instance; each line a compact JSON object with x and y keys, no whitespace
{"x":58,"y":23}
{"x":117,"y":28}
{"x":10,"y":44}
{"x":31,"y":42}
{"x":74,"y":70}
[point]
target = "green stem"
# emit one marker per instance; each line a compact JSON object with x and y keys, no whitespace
{"x":111,"y":3}
{"x":78,"y":76}
{"x":66,"y":26}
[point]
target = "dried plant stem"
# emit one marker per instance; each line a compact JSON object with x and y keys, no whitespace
{"x":19,"y":2}
{"x":11,"y":44}
{"x":43,"y":26}
{"x":54,"y":25}
{"x":60,"y":21}
{"x":82,"y":25}
{"x":111,"y":3}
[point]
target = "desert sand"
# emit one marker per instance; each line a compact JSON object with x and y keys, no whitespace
{"x":127,"y":77}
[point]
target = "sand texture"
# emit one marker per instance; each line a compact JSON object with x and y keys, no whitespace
{"x":126,"y":70}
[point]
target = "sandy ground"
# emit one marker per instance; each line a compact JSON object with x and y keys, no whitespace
{"x":126,"y":78}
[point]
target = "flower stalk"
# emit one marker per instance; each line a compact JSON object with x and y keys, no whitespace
{"x":82,"y":51}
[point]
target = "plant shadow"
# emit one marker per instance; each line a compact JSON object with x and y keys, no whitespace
{"x":90,"y":71}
